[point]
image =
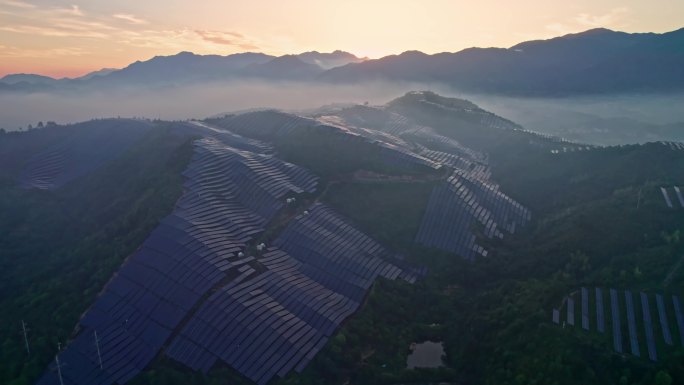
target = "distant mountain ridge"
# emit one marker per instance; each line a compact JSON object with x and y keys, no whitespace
{"x":595,"y":61}
{"x":591,"y":62}
{"x":187,"y":67}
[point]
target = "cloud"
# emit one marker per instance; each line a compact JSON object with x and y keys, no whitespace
{"x":226,"y":38}
{"x":16,"y":52}
{"x":129,"y":18}
{"x":120,"y":30}
{"x":612,"y":18}
{"x":73,"y":10}
{"x":17,"y":4}
{"x":616,"y":18}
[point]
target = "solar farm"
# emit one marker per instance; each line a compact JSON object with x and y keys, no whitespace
{"x":205,"y":290}
{"x":89,"y":146}
{"x":199,"y":292}
{"x":641,"y":324}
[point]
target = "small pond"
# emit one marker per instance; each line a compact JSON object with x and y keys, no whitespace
{"x":425,"y":355}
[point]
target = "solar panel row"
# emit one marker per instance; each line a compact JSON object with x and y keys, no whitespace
{"x":615,"y":316}
{"x":631,"y":324}
{"x":680,"y":198}
{"x":666,"y":196}
{"x":600,"y":317}
{"x":679,"y":317}
{"x":664,"y":323}
{"x":585,"y":309}
{"x":633,"y":330}
{"x":648,"y":326}
{"x":571,"y":311}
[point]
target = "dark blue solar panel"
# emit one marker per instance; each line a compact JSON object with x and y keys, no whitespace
{"x":631,"y":324}
{"x":664,"y":323}
{"x":600,"y":317}
{"x":615,"y":316}
{"x":648,"y":326}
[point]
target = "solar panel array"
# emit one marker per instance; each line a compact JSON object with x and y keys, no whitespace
{"x":403,"y":131}
{"x":670,"y":202}
{"x":191,"y":291}
{"x":461,"y":202}
{"x":87,"y":146}
{"x":230,"y":194}
{"x":467,"y":198}
{"x":675,"y":146}
{"x":647,"y":331}
{"x":265,"y":324}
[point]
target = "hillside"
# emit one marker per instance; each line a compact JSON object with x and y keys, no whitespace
{"x":277,"y":248}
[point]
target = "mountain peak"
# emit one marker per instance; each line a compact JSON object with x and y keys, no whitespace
{"x":413,"y":53}
{"x":593,"y":31}
{"x":28,"y":78}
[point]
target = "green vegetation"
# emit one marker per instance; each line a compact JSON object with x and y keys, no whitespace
{"x":328,"y":153}
{"x":392,"y":209}
{"x":58,"y":248}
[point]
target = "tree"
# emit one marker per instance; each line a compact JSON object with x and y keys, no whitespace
{"x":40,"y":124}
{"x":662,"y":378}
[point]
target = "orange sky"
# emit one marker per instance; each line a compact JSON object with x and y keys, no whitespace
{"x":70,"y":38}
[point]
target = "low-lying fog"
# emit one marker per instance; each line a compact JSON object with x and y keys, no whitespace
{"x":596,"y":120}
{"x":185,"y":102}
{"x":615,"y":119}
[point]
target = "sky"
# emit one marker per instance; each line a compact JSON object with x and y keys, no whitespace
{"x":73,"y":37}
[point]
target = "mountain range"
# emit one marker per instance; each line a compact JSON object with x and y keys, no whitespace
{"x":592,"y":62}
